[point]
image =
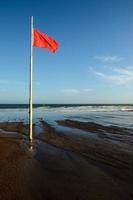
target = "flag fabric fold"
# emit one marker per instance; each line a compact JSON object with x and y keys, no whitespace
{"x":42,"y":40}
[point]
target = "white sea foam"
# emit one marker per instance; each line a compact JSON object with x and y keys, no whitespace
{"x":86,"y":108}
{"x":114,"y":108}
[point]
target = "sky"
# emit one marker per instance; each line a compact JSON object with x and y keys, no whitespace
{"x":94,"y":61}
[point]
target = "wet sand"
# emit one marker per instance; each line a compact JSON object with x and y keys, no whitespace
{"x":60,"y":166}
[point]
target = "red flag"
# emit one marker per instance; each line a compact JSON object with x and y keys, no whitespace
{"x":42,"y":40}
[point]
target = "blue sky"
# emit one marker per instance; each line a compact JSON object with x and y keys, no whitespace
{"x":94,"y":62}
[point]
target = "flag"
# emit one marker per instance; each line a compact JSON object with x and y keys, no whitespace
{"x":42,"y":40}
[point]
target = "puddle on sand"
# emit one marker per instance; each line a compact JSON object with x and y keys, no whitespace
{"x":11,"y":134}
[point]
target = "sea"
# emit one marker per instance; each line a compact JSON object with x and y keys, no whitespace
{"x":120,"y":115}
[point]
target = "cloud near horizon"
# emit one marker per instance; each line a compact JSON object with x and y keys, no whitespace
{"x":120,"y":76}
{"x":75,"y":91}
{"x":87,"y":89}
{"x":71,"y":91}
{"x":108,"y":58}
{"x":3,"y":81}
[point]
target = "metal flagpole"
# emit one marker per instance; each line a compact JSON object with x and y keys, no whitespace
{"x":30,"y":80}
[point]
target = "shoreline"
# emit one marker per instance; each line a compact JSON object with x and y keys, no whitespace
{"x":66,"y":160}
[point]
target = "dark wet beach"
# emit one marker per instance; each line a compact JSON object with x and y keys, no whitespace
{"x":70,"y":158}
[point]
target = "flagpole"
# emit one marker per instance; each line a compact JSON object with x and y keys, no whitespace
{"x":30,"y":80}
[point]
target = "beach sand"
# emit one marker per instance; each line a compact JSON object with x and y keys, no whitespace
{"x":59,"y":166}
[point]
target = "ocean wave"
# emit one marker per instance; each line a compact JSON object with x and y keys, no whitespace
{"x":85,"y":109}
{"x":67,"y":108}
{"x":13,"y":109}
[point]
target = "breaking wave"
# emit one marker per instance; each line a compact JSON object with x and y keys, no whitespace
{"x":100,"y":108}
{"x":68,"y":108}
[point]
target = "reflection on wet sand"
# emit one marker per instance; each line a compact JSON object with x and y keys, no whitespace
{"x":61,"y":166}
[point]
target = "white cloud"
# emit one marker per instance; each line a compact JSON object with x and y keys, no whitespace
{"x":87,"y":90}
{"x":4,"y":81}
{"x":3,"y":90}
{"x":120,"y":76}
{"x":108,"y":58}
{"x":25,"y":83}
{"x":76,"y":91}
{"x":71,"y":91}
{"x":36,"y":83}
